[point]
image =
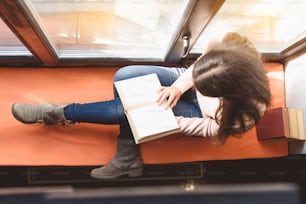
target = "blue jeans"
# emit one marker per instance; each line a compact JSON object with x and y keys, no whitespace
{"x":112,"y":112}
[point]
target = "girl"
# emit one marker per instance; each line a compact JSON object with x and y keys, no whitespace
{"x":224,"y":92}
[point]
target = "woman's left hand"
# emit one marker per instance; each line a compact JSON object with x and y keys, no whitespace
{"x":171,"y":93}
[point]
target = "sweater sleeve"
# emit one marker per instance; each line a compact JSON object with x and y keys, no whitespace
{"x":203,"y":127}
{"x":184,"y":82}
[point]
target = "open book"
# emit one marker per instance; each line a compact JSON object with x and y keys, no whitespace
{"x":147,"y":119}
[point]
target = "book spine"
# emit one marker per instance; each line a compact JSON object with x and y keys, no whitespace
{"x":301,"y":124}
{"x":286,"y":121}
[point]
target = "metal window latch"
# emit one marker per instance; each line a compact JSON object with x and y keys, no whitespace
{"x":185,"y":46}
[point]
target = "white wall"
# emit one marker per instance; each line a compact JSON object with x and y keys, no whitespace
{"x":295,"y":87}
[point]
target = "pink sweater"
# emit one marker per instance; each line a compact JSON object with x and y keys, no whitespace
{"x":206,"y":126}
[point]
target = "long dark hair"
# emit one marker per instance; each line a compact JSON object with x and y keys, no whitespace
{"x":233,"y":71}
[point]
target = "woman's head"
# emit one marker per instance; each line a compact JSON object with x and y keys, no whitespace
{"x":233,"y":71}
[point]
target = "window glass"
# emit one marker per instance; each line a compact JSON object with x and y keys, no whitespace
{"x":272,"y":25}
{"x":110,"y":28}
{"x":10,"y":45}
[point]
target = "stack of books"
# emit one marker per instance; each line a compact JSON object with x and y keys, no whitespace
{"x":282,"y":124}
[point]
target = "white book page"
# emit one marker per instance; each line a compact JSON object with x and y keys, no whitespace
{"x":138,"y":91}
{"x":150,"y":120}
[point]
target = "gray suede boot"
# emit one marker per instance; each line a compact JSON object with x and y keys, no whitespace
{"x":128,"y":161}
{"x":29,"y":113}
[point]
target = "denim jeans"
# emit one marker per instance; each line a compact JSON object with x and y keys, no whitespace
{"x":112,"y":112}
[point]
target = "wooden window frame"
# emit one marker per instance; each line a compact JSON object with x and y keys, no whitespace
{"x":18,"y":19}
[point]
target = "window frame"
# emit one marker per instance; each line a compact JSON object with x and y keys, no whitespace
{"x":19,"y":20}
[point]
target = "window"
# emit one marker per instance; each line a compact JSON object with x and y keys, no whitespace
{"x":10,"y":45}
{"x":60,"y":33}
{"x":134,"y":29}
{"x":271,"y":25}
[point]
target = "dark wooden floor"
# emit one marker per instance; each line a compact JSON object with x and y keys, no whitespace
{"x":289,"y":169}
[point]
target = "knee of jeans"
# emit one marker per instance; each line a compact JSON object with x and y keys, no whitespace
{"x":120,"y":111}
{"x":124,"y":72}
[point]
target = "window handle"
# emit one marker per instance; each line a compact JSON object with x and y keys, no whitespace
{"x":185,"y":46}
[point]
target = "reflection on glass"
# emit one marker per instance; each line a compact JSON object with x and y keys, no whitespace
{"x":109,"y":28}
{"x":271,"y":25}
{"x":10,"y":45}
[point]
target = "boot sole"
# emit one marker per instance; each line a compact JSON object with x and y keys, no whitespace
{"x":130,"y":173}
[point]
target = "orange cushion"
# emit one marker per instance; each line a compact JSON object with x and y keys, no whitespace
{"x":94,"y":144}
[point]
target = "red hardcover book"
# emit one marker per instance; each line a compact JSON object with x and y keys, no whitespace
{"x":281,"y":124}
{"x":274,"y":124}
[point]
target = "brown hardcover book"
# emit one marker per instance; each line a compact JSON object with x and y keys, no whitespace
{"x":281,"y":124}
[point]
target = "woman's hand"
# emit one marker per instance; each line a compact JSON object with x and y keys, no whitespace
{"x":171,"y":93}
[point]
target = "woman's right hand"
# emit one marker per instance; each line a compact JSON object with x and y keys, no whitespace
{"x":170,"y":93}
